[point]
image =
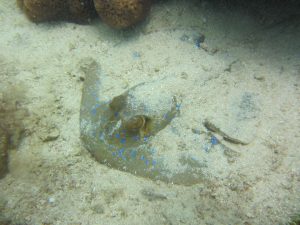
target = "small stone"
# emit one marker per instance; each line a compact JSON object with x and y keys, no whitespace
{"x":152,"y":196}
{"x":196,"y":131}
{"x":204,"y":47}
{"x":49,"y":134}
{"x":259,"y":77}
{"x":250,"y":215}
{"x":184,"y":75}
{"x":98,"y":208}
{"x":185,"y":38}
{"x":214,"y":51}
{"x":51,"y":200}
{"x":230,"y":153}
{"x":72,"y":46}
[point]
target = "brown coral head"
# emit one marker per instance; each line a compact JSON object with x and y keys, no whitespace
{"x":80,"y":11}
{"x":122,"y":13}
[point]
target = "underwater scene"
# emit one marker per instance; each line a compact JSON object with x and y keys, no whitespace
{"x":155,"y":112}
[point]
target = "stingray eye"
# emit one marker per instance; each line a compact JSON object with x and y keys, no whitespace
{"x":135,"y":123}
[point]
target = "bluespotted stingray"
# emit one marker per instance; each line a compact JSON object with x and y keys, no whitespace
{"x":120,"y":132}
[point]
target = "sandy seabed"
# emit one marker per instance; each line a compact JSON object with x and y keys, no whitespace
{"x":54,"y":180}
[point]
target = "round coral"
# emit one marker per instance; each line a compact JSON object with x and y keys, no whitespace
{"x":122,"y":13}
{"x":48,"y":10}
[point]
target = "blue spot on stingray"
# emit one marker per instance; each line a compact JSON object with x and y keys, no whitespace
{"x":165,"y":116}
{"x":120,"y":152}
{"x":123,"y":140}
{"x":214,"y":140}
{"x":146,"y":138}
{"x":152,"y":151}
{"x":93,"y":111}
{"x":97,"y":105}
{"x":136,"y":138}
{"x":154,"y":162}
{"x":133,"y":154}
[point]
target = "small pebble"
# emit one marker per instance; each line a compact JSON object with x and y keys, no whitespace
{"x":152,"y":196}
{"x":184,"y":75}
{"x":259,"y":77}
{"x":49,"y":133}
{"x":51,"y":200}
{"x":196,"y":131}
{"x":184,"y":37}
{"x":206,"y":147}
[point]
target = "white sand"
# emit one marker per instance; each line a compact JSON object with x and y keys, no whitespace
{"x":58,"y":182}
